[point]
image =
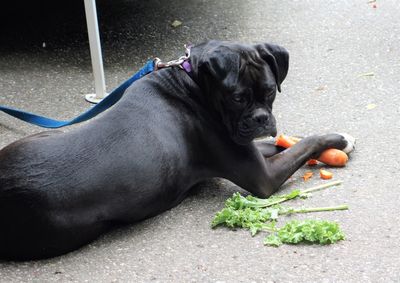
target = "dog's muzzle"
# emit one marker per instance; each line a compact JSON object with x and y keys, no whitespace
{"x":258,"y":125}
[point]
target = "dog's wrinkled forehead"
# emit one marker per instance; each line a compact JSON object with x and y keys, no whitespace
{"x":253,"y":70}
{"x":230,"y":63}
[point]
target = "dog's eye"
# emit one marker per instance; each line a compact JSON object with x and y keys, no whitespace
{"x":238,"y":98}
{"x":271,"y":91}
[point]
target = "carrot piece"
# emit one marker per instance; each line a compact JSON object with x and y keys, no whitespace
{"x":326,"y":175}
{"x":334,"y":157}
{"x":312,"y":162}
{"x":307,"y":175}
{"x":284,"y":141}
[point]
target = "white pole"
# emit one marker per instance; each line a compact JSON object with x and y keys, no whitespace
{"x":95,"y":52}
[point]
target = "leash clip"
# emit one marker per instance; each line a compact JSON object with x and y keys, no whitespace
{"x":158,"y":64}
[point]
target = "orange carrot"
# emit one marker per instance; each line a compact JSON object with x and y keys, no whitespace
{"x":332,"y":156}
{"x":312,"y":162}
{"x":326,"y":175}
{"x":307,"y":175}
{"x":284,"y":141}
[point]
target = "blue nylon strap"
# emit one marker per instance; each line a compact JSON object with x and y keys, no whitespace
{"x":103,"y":105}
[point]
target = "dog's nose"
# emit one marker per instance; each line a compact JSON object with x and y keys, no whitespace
{"x":260,"y":116}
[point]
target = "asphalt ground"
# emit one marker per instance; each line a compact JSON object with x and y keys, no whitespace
{"x":343,"y":77}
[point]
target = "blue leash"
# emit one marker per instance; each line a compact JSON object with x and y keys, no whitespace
{"x":103,"y":105}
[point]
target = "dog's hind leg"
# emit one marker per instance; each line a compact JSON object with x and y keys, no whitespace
{"x":35,"y":242}
{"x":29,"y":231}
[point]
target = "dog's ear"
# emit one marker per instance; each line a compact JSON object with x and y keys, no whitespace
{"x":277,"y":58}
{"x":222,"y":64}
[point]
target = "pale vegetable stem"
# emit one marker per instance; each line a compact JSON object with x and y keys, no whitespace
{"x":313,"y":189}
{"x":317,"y":209}
{"x":321,"y":187}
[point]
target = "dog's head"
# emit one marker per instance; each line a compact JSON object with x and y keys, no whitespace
{"x":240,"y":83}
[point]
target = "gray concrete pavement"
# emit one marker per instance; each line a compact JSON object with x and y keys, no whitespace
{"x":332,"y":43}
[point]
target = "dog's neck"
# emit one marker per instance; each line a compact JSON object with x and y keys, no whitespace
{"x":182,"y":85}
{"x":183,"y":79}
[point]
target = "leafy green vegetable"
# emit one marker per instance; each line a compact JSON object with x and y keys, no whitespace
{"x":272,"y":240}
{"x":249,"y":218}
{"x":255,"y":215}
{"x":237,"y":201}
{"x":309,"y":231}
{"x":255,"y":218}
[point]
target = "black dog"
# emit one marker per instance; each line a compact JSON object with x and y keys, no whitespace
{"x":171,"y":130}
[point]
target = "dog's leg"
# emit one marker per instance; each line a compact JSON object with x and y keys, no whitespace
{"x":267,"y":148}
{"x":283,"y":165}
{"x":266,"y":178}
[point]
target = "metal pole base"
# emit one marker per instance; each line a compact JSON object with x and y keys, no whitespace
{"x":93,"y":98}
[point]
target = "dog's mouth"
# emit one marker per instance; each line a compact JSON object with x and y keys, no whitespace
{"x":245,"y":135}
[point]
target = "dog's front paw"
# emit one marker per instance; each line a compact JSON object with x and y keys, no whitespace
{"x":351,"y":142}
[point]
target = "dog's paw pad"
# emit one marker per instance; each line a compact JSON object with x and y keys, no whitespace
{"x":351,"y":142}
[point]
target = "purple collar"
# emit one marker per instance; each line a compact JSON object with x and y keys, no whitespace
{"x":186,"y":66}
